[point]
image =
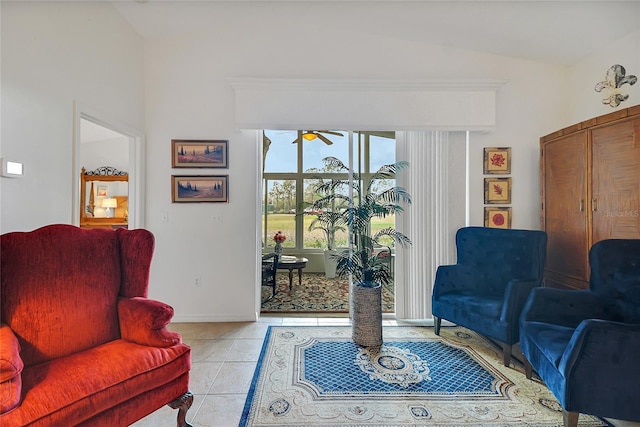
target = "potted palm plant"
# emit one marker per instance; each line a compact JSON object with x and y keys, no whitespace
{"x":361,"y":261}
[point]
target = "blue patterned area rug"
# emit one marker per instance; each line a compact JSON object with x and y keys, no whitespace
{"x":316,"y":376}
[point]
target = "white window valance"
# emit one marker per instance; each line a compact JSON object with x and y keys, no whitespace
{"x":365,"y":104}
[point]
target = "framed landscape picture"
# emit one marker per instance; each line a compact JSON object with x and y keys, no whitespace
{"x":199,"y":188}
{"x":497,"y":191}
{"x":497,"y":217}
{"x":497,"y":160}
{"x":189,"y":153}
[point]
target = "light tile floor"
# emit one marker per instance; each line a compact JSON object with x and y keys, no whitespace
{"x":224,"y":357}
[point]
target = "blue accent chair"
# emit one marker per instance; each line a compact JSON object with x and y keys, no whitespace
{"x":487,"y":288}
{"x":585,"y":345}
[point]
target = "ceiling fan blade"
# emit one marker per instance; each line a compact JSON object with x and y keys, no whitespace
{"x":324,"y":139}
{"x":297,"y":140}
{"x":330,"y":132}
{"x":266,"y":142}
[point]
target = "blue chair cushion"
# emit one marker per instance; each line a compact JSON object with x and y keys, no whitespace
{"x":474,"y":304}
{"x":551,"y":340}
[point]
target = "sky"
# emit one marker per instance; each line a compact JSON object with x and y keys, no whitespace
{"x":281,"y":156}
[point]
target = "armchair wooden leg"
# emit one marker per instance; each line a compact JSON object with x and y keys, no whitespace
{"x":436,"y":325}
{"x":570,"y":419}
{"x":506,"y":354}
{"x":182,"y":404}
{"x":528,"y":369}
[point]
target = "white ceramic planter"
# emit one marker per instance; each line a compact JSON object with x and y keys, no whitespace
{"x":329,"y":264}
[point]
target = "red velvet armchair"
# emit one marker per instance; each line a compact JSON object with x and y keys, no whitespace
{"x":80,"y":342}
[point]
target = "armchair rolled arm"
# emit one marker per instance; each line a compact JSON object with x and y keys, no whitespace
{"x":11,"y":366}
{"x":562,"y":307}
{"x":451,"y":278}
{"x":602,"y":350}
{"x":144,"y":321}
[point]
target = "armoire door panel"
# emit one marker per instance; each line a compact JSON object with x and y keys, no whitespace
{"x":616,"y":181}
{"x":590,"y":191}
{"x":565,"y":217}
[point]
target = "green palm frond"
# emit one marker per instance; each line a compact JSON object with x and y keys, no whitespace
{"x":339,"y":211}
{"x":387,"y":172}
{"x":398,"y":237}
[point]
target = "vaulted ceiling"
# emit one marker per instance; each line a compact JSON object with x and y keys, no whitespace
{"x":558,"y":32}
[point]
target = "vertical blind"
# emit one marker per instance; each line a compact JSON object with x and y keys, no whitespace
{"x":436,"y":180}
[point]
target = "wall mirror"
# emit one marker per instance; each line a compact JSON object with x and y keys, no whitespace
{"x":104,"y":198}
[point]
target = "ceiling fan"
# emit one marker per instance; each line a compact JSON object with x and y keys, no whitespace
{"x":310,"y":135}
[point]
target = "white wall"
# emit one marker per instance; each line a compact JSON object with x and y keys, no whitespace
{"x":107,"y":152}
{"x":52,"y":55}
{"x":189,"y":96}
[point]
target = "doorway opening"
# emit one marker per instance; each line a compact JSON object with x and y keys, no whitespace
{"x":104,"y":180}
{"x":293,"y":168}
{"x":104,"y":145}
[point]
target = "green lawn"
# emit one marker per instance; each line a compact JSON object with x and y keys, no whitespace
{"x":313,"y":239}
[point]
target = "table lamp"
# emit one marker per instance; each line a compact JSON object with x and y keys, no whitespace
{"x":109,"y":204}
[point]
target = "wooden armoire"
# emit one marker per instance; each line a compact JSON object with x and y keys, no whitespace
{"x":590,"y":191}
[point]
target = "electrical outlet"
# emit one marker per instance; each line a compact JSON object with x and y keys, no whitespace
{"x":216,"y":219}
{"x":196,"y":282}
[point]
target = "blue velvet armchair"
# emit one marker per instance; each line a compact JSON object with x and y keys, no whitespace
{"x":487,"y":288}
{"x":585,"y":345}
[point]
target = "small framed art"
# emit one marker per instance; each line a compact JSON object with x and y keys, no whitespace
{"x":497,"y":160}
{"x":199,"y":188}
{"x":497,"y":191}
{"x":189,"y":153}
{"x":497,"y":217}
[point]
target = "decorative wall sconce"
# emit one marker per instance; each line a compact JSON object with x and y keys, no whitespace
{"x":615,"y":78}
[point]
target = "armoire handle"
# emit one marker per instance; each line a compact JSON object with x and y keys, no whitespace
{"x":594,"y":205}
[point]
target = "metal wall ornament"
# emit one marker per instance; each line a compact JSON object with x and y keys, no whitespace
{"x":615,"y":78}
